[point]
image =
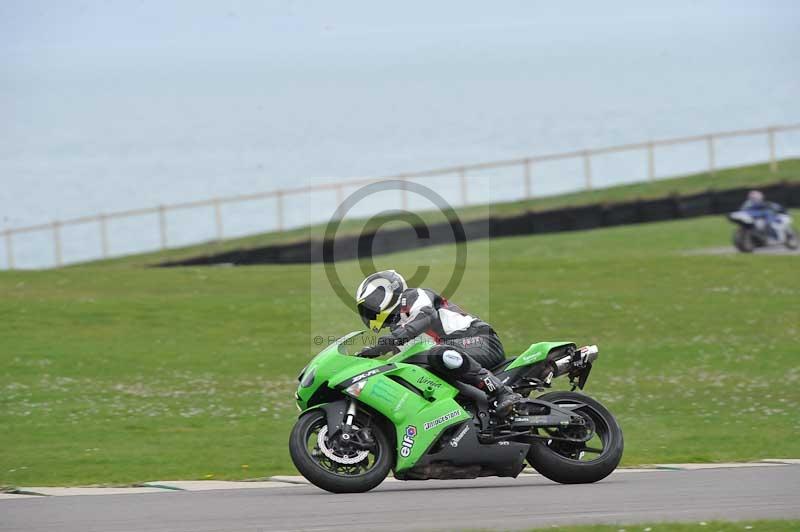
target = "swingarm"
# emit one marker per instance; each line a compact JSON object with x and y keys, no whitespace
{"x":535,"y":414}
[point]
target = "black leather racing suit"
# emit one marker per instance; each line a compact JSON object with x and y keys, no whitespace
{"x":422,"y":311}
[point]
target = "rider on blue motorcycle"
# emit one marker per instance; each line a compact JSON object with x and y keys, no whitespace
{"x":467,"y":346}
{"x":756,"y":202}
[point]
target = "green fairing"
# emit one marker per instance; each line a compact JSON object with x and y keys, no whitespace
{"x":535,"y":353}
{"x":429,"y":414}
{"x":414,"y":349}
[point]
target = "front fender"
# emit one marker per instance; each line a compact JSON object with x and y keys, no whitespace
{"x":334,"y":413}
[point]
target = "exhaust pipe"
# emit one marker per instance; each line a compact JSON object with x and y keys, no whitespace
{"x":572,"y":360}
{"x":590,"y":352}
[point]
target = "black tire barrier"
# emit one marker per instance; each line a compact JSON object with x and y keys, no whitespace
{"x":579,"y":218}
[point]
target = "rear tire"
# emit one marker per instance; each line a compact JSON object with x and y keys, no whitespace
{"x":312,"y":469}
{"x":559,"y":468}
{"x":743,"y":240}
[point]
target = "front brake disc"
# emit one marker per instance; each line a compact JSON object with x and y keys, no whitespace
{"x":322,"y":442}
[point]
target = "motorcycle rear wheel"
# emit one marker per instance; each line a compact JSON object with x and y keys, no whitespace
{"x":564,"y":462}
{"x":335,"y":474}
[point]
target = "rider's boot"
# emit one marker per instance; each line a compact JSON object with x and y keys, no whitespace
{"x":504,"y":397}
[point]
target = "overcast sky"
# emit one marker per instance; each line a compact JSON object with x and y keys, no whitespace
{"x":87,"y":30}
{"x":118,"y":104}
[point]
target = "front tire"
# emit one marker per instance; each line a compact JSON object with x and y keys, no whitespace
{"x":563,"y":462}
{"x":328,"y":474}
{"x":743,"y":240}
{"x":791,"y":239}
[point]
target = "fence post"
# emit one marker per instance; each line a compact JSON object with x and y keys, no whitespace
{"x":527,"y":172}
{"x":463,"y":178}
{"x":651,"y":161}
{"x":711,"y":165}
{"x":9,"y":250}
{"x":101,"y":220}
{"x":773,"y":162}
{"x":162,"y":225}
{"x":57,"y":242}
{"x":404,"y":195}
{"x":218,"y":218}
{"x":279,"y":209}
{"x":339,"y":195}
{"x":587,"y":168}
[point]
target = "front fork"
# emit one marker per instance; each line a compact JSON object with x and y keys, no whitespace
{"x":360,"y":438}
{"x":349,"y":417}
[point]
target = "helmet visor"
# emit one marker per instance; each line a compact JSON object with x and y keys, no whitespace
{"x":367,"y":315}
{"x":376,"y":320}
{"x":371,"y":312}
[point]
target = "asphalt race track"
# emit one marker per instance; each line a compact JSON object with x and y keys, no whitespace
{"x":730,"y":250}
{"x":491,"y":503}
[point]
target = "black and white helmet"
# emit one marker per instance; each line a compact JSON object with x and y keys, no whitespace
{"x":377,"y":298}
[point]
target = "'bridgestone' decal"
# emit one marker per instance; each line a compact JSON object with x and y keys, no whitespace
{"x":442,"y":419}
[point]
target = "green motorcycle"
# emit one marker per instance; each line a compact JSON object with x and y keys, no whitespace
{"x":361,"y":418}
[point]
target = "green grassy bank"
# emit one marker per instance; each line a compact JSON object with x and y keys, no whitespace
{"x":121,"y":375}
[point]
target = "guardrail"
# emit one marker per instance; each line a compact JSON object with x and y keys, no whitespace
{"x":525,"y":164}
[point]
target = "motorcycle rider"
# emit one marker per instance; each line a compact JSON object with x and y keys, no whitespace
{"x":756,"y":201}
{"x":467,"y":346}
{"x":765,"y":210}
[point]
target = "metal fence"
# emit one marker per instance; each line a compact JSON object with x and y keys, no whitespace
{"x":524,"y":164}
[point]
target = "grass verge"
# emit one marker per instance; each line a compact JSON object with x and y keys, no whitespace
{"x":122,"y":375}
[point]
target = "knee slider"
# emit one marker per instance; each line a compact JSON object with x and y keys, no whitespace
{"x":452,"y":359}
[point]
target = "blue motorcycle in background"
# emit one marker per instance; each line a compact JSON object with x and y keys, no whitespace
{"x":769,"y":225}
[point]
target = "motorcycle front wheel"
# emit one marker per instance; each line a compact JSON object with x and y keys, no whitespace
{"x":743,"y":240}
{"x":791,"y":239}
{"x":570,"y":462}
{"x":331,"y":464}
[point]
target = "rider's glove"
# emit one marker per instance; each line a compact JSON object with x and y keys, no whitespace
{"x":385,"y":344}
